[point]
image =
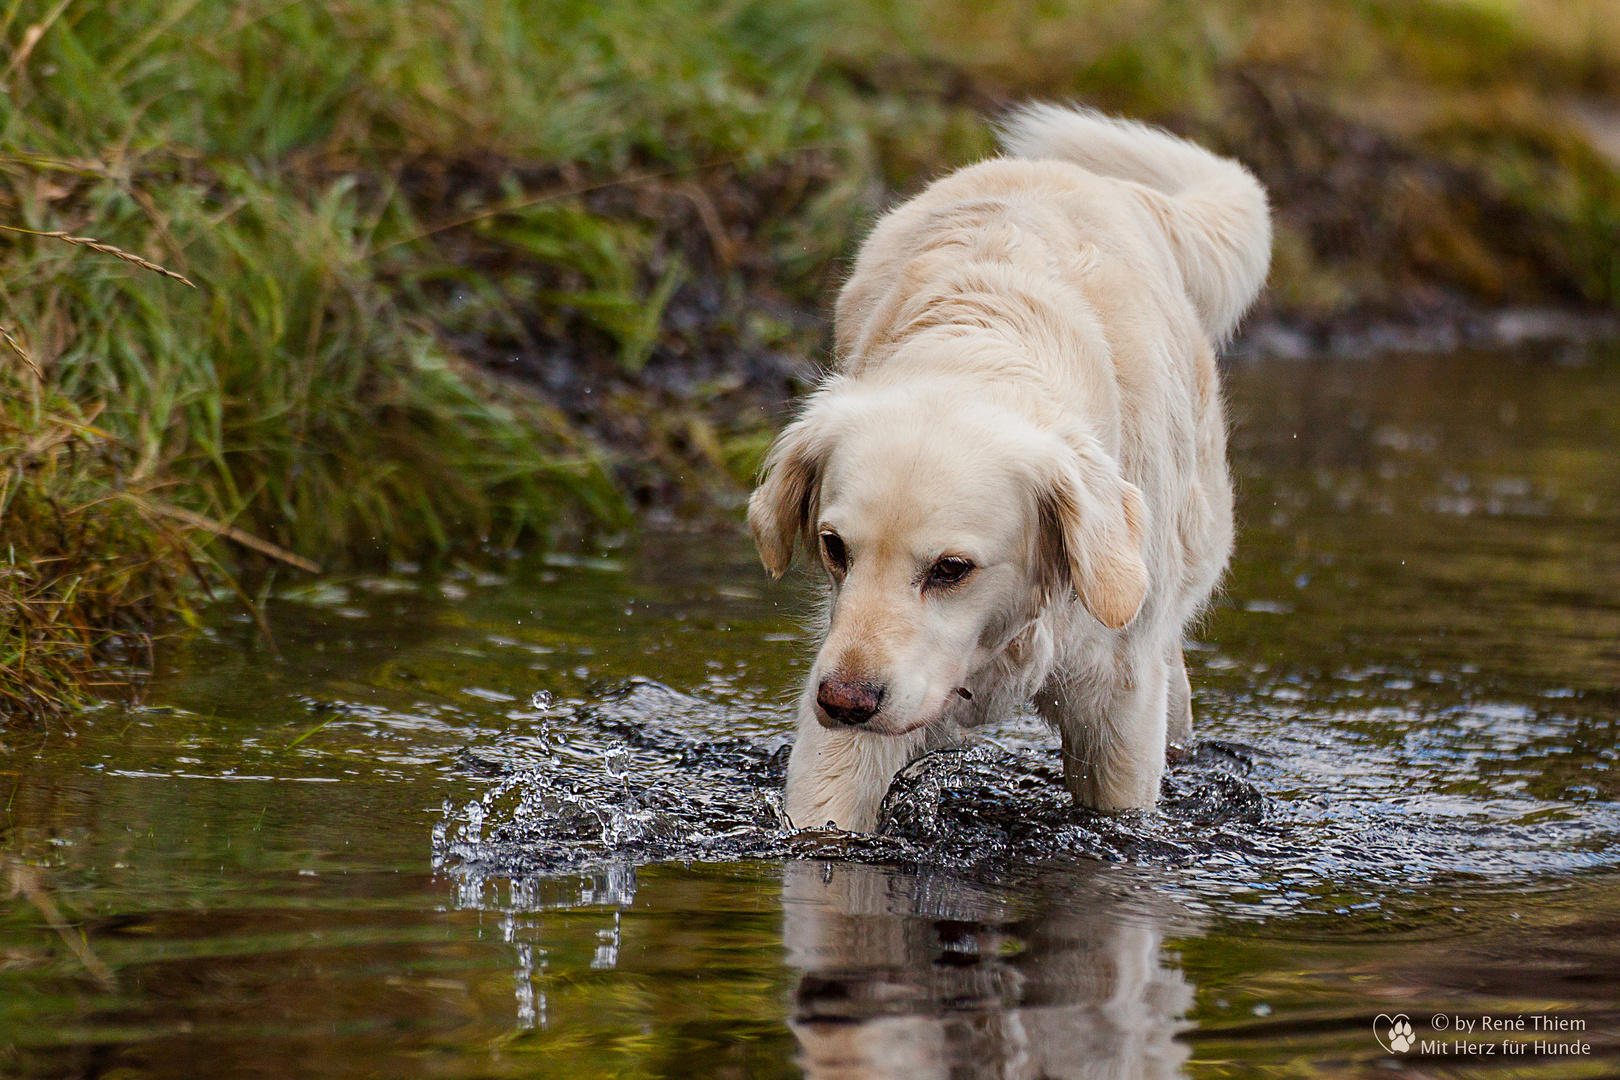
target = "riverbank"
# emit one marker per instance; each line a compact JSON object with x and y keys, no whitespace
{"x":477,"y":275}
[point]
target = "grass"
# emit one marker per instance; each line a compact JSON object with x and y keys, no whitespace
{"x":96,"y":567}
{"x":478,"y":273}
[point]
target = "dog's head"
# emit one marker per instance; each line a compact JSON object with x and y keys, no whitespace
{"x":944,"y":524}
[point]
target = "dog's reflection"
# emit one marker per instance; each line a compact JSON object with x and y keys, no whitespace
{"x":919,"y":976}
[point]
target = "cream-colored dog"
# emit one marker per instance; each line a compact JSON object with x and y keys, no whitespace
{"x":1016,"y":479}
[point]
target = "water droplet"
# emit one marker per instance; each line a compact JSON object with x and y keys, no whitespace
{"x":541,"y":701}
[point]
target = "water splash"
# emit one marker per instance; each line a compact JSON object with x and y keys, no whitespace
{"x":647,"y":774}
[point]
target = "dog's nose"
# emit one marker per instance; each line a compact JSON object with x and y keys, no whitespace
{"x":847,"y":701}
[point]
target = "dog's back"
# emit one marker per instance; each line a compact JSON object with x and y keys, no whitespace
{"x":1216,"y":213}
{"x":1208,"y":210}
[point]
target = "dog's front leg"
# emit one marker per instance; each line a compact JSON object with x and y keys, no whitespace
{"x":1178,"y":710}
{"x":1113,"y":734}
{"x":840,"y":775}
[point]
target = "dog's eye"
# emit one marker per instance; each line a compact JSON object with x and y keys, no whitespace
{"x":949,"y":571}
{"x":837,"y":557}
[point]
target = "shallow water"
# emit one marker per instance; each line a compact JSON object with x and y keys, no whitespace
{"x":524,"y":823}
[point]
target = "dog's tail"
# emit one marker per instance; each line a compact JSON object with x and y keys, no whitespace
{"x":1219,"y":224}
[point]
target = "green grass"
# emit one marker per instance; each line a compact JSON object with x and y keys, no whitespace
{"x":383,"y":204}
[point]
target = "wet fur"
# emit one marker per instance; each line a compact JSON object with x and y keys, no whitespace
{"x":1026,"y":372}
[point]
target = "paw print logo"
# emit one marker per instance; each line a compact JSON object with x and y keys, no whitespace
{"x":1394,"y":1033}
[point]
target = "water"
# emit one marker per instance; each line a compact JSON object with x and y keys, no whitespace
{"x":526,"y":823}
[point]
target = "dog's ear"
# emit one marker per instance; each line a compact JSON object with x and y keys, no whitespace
{"x":783,"y":505}
{"x":1092,"y":523}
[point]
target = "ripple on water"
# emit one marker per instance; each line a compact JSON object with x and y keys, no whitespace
{"x":1295,"y":803}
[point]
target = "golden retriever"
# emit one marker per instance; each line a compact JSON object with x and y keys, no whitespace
{"x":1016,"y":477}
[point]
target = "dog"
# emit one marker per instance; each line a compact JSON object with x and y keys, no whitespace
{"x":1015,"y":478}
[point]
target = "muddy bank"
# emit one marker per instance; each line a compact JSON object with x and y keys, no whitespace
{"x":1386,"y":243}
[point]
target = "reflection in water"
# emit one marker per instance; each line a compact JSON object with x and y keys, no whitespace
{"x":921,"y":975}
{"x":519,"y":900}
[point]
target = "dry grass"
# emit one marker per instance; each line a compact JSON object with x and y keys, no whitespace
{"x":92,"y":573}
{"x":106,"y":249}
